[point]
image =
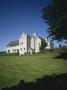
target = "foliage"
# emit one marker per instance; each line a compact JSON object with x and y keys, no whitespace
{"x":8,"y":54}
{"x":64,"y":48}
{"x":43,"y":45}
{"x":55,"y":15}
{"x":61,"y":53}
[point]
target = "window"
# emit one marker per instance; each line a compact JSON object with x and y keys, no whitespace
{"x":8,"y":51}
{"x":24,"y":48}
{"x":21,"y":43}
{"x":20,"y":49}
{"x":39,"y":44}
{"x":17,"y":50}
{"x":14,"y":50}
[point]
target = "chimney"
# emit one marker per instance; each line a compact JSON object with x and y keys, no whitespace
{"x":34,"y":34}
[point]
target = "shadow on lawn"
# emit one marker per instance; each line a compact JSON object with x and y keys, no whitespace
{"x":54,"y":82}
{"x":62,"y":56}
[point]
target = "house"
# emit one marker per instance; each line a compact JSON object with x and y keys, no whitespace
{"x":27,"y":44}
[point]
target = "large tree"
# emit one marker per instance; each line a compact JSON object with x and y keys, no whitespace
{"x":55,"y":14}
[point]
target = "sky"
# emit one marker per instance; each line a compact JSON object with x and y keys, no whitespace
{"x":17,"y":16}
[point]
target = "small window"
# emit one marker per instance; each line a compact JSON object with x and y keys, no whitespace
{"x":24,"y":48}
{"x":21,"y":49}
{"x":39,"y":44}
{"x":8,"y":51}
{"x":17,"y":50}
{"x":21,"y":43}
{"x":14,"y":50}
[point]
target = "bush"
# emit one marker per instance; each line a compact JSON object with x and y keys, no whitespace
{"x":8,"y":54}
{"x":62,"y":49}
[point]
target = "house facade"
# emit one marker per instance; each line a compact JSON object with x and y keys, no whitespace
{"x":27,"y":44}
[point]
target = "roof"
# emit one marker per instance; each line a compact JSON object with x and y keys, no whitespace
{"x":41,"y":38}
{"x":13,"y":43}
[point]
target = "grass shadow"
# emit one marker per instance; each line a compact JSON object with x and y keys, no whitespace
{"x":62,"y":56}
{"x":54,"y":82}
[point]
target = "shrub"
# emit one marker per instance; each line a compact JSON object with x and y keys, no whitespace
{"x":8,"y":54}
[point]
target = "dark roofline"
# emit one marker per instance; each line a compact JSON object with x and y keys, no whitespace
{"x":13,"y":43}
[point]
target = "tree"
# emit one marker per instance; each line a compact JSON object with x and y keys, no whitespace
{"x":55,"y":14}
{"x":43,"y":45}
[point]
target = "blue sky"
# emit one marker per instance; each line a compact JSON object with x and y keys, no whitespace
{"x":17,"y":16}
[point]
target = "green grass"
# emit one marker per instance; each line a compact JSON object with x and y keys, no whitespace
{"x":29,"y":68}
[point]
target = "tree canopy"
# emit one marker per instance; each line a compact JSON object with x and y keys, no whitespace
{"x":55,"y":14}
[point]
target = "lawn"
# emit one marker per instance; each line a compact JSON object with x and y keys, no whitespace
{"x":29,"y":68}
